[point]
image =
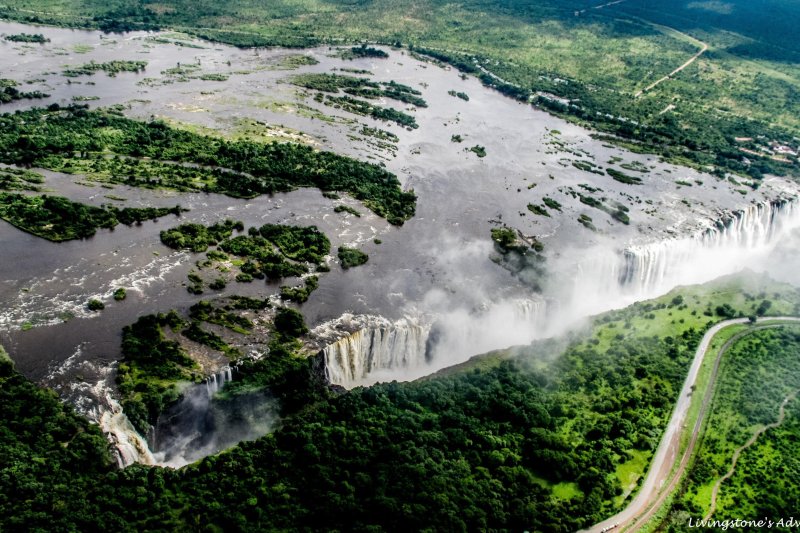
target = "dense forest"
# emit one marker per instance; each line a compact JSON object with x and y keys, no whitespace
{"x":540,"y":438}
{"x":740,"y":407}
{"x":74,"y":139}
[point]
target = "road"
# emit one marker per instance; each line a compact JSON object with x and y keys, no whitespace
{"x":738,"y":452}
{"x":652,"y":494}
{"x":671,"y":74}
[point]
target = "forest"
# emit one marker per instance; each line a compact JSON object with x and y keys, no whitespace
{"x":742,"y":87}
{"x":544,"y":437}
{"x":74,"y":139}
{"x":763,"y":483}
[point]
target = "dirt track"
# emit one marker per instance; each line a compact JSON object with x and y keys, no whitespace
{"x":668,"y":76}
{"x":659,"y":484}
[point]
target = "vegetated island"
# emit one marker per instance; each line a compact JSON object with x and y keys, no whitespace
{"x":56,"y":218}
{"x":10,"y":93}
{"x":272,"y":251}
{"x":585,"y":82}
{"x":75,"y":139}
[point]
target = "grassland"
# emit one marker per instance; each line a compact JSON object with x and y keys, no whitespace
{"x":596,"y":60}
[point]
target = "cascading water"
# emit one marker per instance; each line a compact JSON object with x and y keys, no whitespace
{"x":738,"y":240}
{"x":377,"y":344}
{"x":362,"y":350}
{"x":753,"y":229}
{"x":200,"y":425}
{"x":215,"y":382}
{"x":373,"y":349}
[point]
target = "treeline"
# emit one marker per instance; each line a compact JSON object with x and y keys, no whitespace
{"x":48,"y":454}
{"x":56,"y":218}
{"x":519,"y":440}
{"x":58,"y":137}
{"x":693,"y":140}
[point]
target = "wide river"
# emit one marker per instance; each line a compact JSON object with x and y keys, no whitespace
{"x":438,"y":263}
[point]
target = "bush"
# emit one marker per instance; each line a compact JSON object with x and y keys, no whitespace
{"x":350,"y":257}
{"x":290,"y":323}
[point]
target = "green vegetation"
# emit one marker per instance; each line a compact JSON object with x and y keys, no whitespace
{"x":346,"y":209}
{"x":9,"y":92}
{"x":762,"y":482}
{"x":463,"y":96}
{"x":623,"y":178}
{"x":586,"y":221}
{"x":618,"y":213}
{"x":301,"y":243}
{"x":295,"y":61}
{"x":506,"y":238}
{"x":300,"y":294}
{"x":120,"y":294}
{"x":95,"y":305}
{"x":545,"y":437}
{"x":478,"y":150}
{"x":588,"y":166}
{"x":272,"y":251}
{"x":635,"y":166}
{"x":153,"y":154}
{"x":742,"y":87}
{"x":17,"y":179}
{"x":456,"y":138}
{"x":197,"y":237}
{"x":379,"y":134}
{"x":363,"y":51}
{"x":27,"y":38}
{"x":538,"y":210}
{"x":552,"y":204}
{"x":46,"y":450}
{"x":364,"y":88}
{"x":56,"y":218}
{"x":111,"y":68}
{"x":351,"y":257}
{"x":152,"y":365}
{"x":360,"y":107}
{"x":521,"y":256}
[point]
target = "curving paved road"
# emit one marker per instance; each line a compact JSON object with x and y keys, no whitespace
{"x":651,"y":493}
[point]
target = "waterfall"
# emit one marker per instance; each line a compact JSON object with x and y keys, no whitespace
{"x":735,"y":241}
{"x":362,"y":349}
{"x":378,"y":345}
{"x":130,"y":447}
{"x":653,"y":265}
{"x":215,"y":382}
{"x":198,"y":425}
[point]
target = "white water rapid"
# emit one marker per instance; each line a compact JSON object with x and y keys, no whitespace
{"x":372,"y":349}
